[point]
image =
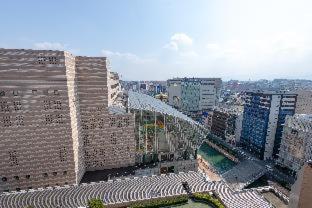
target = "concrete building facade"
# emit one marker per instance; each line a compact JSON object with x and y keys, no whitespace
{"x":301,"y":191}
{"x":296,"y":144}
{"x":226,"y":124}
{"x":54,"y":120}
{"x":304,"y":102}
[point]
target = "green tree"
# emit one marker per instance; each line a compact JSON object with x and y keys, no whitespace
{"x":95,"y":203}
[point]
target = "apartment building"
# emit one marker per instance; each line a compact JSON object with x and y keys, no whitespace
{"x":301,"y":191}
{"x":54,"y":120}
{"x":296,"y":144}
{"x":193,"y":96}
{"x":263,"y":119}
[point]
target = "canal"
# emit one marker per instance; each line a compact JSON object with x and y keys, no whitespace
{"x":216,"y":159}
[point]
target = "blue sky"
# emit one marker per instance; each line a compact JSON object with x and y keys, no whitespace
{"x":148,"y":40}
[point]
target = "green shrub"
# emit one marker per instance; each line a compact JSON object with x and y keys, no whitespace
{"x":160,"y":202}
{"x":210,"y":199}
{"x":95,"y":203}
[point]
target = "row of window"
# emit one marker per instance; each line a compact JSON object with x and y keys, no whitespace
{"x":50,"y":104}
{"x":50,"y":119}
{"x":94,"y":123}
{"x":47,"y":60}
{"x":8,"y":121}
{"x":17,"y":105}
{"x":5,"y":107}
{"x":34,"y":91}
{"x":45,"y":175}
{"x":120,"y":122}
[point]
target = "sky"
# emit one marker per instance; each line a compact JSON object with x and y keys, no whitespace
{"x":162,"y":39}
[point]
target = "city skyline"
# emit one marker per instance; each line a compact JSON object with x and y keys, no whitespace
{"x":232,"y":40}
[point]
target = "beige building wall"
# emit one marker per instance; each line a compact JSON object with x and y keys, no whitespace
{"x":54,"y":120}
{"x":36,"y":123}
{"x":296,"y":143}
{"x":301,"y":191}
{"x":304,"y":100}
{"x":108,"y":139}
{"x":114,"y":87}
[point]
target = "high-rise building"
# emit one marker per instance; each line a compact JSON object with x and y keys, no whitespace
{"x":54,"y":120}
{"x":301,"y":191}
{"x":296,"y":144}
{"x":193,"y":96}
{"x":263,"y":119}
{"x":304,"y":101}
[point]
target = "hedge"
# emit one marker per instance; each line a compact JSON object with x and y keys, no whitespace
{"x":95,"y":203}
{"x":209,"y":199}
{"x":160,"y":202}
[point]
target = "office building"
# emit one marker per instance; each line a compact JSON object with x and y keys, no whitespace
{"x":263,"y":119}
{"x":193,"y":96}
{"x":296,"y":144}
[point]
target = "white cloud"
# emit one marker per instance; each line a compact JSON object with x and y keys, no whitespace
{"x":50,"y":46}
{"x":268,"y":57}
{"x":179,"y":41}
{"x":54,"y":46}
{"x":125,"y":56}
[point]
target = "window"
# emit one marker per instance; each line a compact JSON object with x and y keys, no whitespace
{"x":113,"y":138}
{"x":4,"y":107}
{"x":45,"y":175}
{"x":92,"y":123}
{"x":16,"y":178}
{"x":13,"y":158}
{"x":59,"y":119}
{"x":65,"y":173}
{"x":15,"y":92}
{"x":58,"y":105}
{"x":17,"y":105}
{"x":2,"y":93}
{"x":54,"y":173}
{"x":4,"y":179}
{"x":112,"y":122}
{"x":20,"y":120}
{"x":46,"y":105}
{"x":27,"y":176}
{"x":34,"y":92}
{"x":48,"y":119}
{"x":101,"y":123}
{"x":119,"y":123}
{"x":7,"y":121}
{"x":18,"y":189}
{"x":63,"y":154}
